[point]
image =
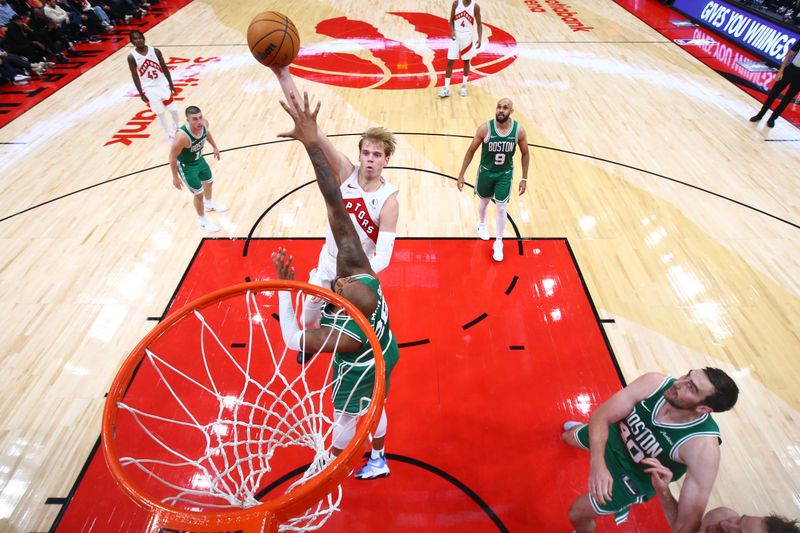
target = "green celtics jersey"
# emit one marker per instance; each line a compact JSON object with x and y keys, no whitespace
{"x":191,"y":154}
{"x":497,"y":151}
{"x":639,"y":436}
{"x":379,"y":321}
{"x":354,"y":372}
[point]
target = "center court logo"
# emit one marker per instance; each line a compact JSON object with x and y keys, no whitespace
{"x":343,"y":62}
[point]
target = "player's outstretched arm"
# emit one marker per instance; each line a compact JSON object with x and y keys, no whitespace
{"x":351,"y":258}
{"x":341,"y":165}
{"x":483,"y":129}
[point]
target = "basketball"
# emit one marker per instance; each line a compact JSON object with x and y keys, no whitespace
{"x":273,"y":39}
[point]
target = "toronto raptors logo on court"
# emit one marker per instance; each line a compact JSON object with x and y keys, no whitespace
{"x":415,"y":64}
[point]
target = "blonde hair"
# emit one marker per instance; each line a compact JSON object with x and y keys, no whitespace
{"x":379,"y":134}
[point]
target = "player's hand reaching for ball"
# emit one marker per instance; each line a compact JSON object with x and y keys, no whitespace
{"x":305,"y":121}
{"x":283,"y":266}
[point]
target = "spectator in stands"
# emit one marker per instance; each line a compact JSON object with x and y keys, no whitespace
{"x":97,"y":11}
{"x":46,"y":31}
{"x":20,"y":41}
{"x":86,"y":18}
{"x":788,"y":76}
{"x":9,"y":72}
{"x":6,"y":12}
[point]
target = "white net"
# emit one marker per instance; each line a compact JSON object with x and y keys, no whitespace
{"x":221,"y":416}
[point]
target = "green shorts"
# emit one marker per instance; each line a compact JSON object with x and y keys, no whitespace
{"x":495,"y":185}
{"x":195,"y":174}
{"x":354,"y":392}
{"x":624,"y":491}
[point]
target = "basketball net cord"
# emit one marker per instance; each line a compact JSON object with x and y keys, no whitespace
{"x":241,"y":440}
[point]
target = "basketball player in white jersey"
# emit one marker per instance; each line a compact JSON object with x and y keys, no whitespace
{"x":151,"y":77}
{"x":465,"y":15}
{"x":369,"y":198}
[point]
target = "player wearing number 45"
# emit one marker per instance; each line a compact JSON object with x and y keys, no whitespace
{"x":655,"y":417}
{"x":189,"y":166}
{"x":151,"y":77}
{"x":498,"y":140}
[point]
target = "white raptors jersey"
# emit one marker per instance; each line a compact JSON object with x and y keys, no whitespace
{"x":464,"y":19}
{"x":149,"y":69}
{"x":364,"y":208}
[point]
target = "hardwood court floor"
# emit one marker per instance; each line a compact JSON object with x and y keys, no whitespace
{"x":682,"y":215}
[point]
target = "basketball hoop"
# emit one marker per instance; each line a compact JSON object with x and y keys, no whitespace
{"x":211,"y":429}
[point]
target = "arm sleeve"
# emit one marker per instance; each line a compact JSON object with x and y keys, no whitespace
{"x":291,"y":333}
{"x":383,"y":251}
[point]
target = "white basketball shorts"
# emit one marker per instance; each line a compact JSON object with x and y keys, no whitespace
{"x":159,"y":98}
{"x":461,"y":47}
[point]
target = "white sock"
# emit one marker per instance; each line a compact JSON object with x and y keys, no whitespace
{"x":447,"y":83}
{"x":502,"y":208}
{"x":163,"y":120}
{"x":464,"y":82}
{"x":376,"y":454}
{"x":173,"y":110}
{"x":483,"y":203}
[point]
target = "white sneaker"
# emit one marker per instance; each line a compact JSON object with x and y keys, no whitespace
{"x":571,"y":424}
{"x":497,"y":247}
{"x":207,"y":225}
{"x":463,"y":91}
{"x":444,"y":93}
{"x":483,"y":231}
{"x":21,"y":77}
{"x":213,"y":206}
{"x":375,"y":468}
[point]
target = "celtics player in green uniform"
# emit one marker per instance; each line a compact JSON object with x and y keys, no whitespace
{"x":353,"y":361}
{"x":655,"y":417}
{"x":189,"y":166}
{"x":498,"y":139}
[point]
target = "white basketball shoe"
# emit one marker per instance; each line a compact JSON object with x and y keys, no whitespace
{"x":483,"y":231}
{"x":444,"y":93}
{"x":497,"y":248}
{"x":207,"y":225}
{"x":210,"y":205}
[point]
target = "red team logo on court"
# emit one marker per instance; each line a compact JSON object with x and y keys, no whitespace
{"x":405,"y":65}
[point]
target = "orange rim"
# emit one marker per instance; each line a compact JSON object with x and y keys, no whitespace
{"x":287,"y":505}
